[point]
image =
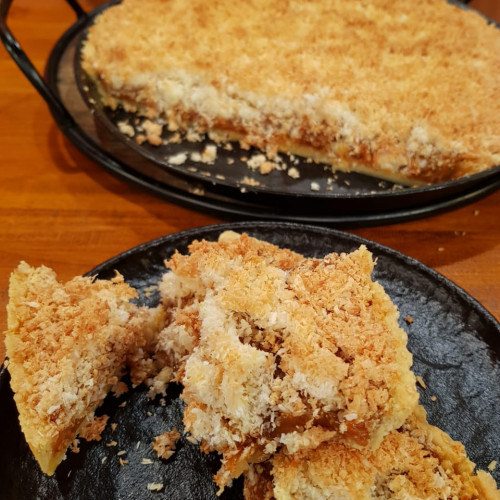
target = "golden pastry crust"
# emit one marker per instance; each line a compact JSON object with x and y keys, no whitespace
{"x":417,"y":462}
{"x":390,"y":88}
{"x":288,"y":351}
{"x":67,"y":346}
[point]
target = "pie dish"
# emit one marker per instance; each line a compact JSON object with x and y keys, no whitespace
{"x":370,"y":90}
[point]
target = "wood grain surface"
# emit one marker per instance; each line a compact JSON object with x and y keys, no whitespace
{"x":61,"y":209}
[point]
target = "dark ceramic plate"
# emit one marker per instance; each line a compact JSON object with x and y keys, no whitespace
{"x":454,"y":340}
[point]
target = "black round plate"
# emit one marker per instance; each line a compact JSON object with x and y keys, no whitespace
{"x":455,"y":344}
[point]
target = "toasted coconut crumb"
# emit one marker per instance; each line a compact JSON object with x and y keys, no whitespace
{"x":197,"y":190}
{"x":111,"y":443}
{"x":164,"y":444}
{"x":114,"y":425}
{"x":155,"y":486}
{"x":191,"y":439}
{"x":126,"y":129}
{"x":421,"y":382}
{"x":175,"y":138}
{"x":153,"y":132}
{"x":193,"y":136}
{"x":122,"y":461}
{"x":93,"y":431}
{"x":267,"y":167}
{"x":146,"y":461}
{"x":218,"y":137}
{"x":178,"y":159}
{"x":140,"y":139}
{"x":255,"y":161}
{"x":250,"y":182}
{"x":492,"y":465}
{"x":293,"y":173}
{"x":75,"y":446}
{"x":209,"y":154}
{"x":149,"y":290}
{"x":433,"y":398}
{"x":315,"y":186}
{"x":120,"y":453}
{"x":409,"y":319}
{"x":119,"y":389}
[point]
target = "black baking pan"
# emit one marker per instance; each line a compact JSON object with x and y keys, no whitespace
{"x":455,"y":344}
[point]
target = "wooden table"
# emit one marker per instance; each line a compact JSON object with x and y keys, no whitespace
{"x":60,"y":209}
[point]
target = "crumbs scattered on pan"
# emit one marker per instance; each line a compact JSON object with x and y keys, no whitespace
{"x":75,"y":446}
{"x":249,"y":181}
{"x":164,"y":444}
{"x":126,"y":129}
{"x":177,"y":159}
{"x":421,"y":382}
{"x":197,"y":190}
{"x":150,"y":290}
{"x":157,"y":132}
{"x":155,"y":486}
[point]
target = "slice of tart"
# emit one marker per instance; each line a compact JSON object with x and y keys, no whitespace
{"x":416,"y":462}
{"x":394,"y":89}
{"x":67,"y":347}
{"x":285,"y":350}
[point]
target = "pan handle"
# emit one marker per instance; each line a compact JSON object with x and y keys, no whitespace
{"x":22,"y":60}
